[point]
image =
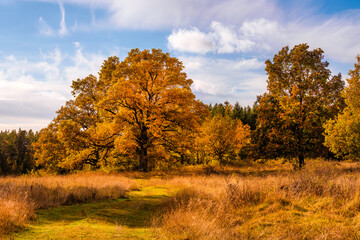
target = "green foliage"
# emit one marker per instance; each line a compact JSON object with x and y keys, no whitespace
{"x":342,"y":134}
{"x":16,"y":152}
{"x":247,"y":115}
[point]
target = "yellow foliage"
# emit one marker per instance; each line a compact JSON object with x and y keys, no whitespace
{"x":224,"y":137}
{"x":342,"y":135}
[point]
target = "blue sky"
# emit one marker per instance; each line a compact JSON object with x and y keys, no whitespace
{"x":45,"y":44}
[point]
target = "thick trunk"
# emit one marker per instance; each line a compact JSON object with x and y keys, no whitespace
{"x":301,"y":160}
{"x":143,"y":160}
{"x":220,"y":160}
{"x":142,"y":150}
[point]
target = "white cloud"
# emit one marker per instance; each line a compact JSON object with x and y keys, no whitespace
{"x":220,"y":39}
{"x":258,"y":28}
{"x":266,"y":34}
{"x":83,"y":65}
{"x":228,"y":40}
{"x":337,"y":36}
{"x":9,"y":123}
{"x":191,"y":41}
{"x":76,"y":44}
{"x":217,"y":80}
{"x":227,"y":26}
{"x":31,"y":91}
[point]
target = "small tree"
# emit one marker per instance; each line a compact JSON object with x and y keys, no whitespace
{"x":223,"y":136}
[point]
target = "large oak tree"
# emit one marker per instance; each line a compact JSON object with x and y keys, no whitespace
{"x":150,"y":106}
{"x":141,"y":108}
{"x":301,"y":95}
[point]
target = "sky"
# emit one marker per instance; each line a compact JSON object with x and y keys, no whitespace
{"x":223,"y":44}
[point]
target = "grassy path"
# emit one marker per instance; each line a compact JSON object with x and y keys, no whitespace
{"x":112,"y":219}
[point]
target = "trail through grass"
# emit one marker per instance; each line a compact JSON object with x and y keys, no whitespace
{"x":322,"y":201}
{"x":124,"y":218}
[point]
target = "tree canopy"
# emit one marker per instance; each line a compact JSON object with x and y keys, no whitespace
{"x":301,"y":95}
{"x":16,"y":152}
{"x":140,"y":113}
{"x":223,"y":137}
{"x":342,"y":134}
{"x":150,"y":106}
{"x":141,"y":109}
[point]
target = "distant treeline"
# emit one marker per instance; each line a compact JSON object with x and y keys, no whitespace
{"x":16,"y":152}
{"x":247,"y":115}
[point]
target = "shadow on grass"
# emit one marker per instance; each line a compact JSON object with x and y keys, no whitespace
{"x":351,"y":170}
{"x":133,"y":212}
{"x":208,"y":171}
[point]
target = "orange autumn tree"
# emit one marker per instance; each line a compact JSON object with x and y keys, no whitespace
{"x":72,"y":140}
{"x":150,"y":107}
{"x":301,"y":96}
{"x":141,"y":108}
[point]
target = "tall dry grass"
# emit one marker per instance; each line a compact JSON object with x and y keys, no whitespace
{"x":21,"y":196}
{"x":320,"y":202}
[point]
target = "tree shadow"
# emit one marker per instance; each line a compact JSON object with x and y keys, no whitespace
{"x":133,"y":212}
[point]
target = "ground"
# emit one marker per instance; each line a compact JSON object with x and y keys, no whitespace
{"x":124,"y":218}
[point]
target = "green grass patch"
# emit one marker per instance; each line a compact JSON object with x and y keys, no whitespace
{"x":124,"y":218}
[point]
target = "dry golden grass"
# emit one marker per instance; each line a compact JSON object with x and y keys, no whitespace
{"x":21,"y":196}
{"x":255,"y":201}
{"x":321,"y":201}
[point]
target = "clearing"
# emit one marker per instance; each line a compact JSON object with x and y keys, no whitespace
{"x":123,"y":218}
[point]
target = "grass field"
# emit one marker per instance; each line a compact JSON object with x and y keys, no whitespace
{"x":255,"y":201}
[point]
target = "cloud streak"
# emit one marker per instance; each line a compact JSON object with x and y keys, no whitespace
{"x":63,"y":30}
{"x":46,"y":30}
{"x":164,"y":14}
{"x":227,"y":26}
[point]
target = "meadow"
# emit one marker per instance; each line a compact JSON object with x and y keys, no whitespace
{"x":252,"y":201}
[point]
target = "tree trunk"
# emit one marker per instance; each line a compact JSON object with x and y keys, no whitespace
{"x":301,"y":160}
{"x":143,"y":141}
{"x":3,"y":166}
{"x":143,"y":160}
{"x":220,"y":160}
